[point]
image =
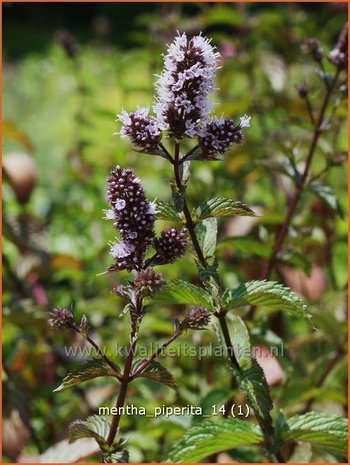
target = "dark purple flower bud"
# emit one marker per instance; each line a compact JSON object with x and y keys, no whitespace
{"x":183,"y":104}
{"x":134,"y":219}
{"x":220,"y":134}
{"x":141,"y":129}
{"x":303,"y":90}
{"x":61,"y":318}
{"x":148,"y":280}
{"x":68,"y":42}
{"x":171,"y":245}
{"x":196,"y":318}
{"x":339,"y":55}
{"x":312,"y":47}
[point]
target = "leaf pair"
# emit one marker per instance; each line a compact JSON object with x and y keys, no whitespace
{"x":211,"y":437}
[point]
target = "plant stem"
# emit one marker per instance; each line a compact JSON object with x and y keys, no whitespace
{"x":277,"y":456}
{"x":122,"y":393}
{"x":189,"y":222}
{"x":125,"y":378}
{"x":147,"y":362}
{"x":98,"y":349}
{"x":283,"y":231}
{"x":332,"y":362}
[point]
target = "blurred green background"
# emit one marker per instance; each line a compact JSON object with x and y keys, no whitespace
{"x":68,"y":69}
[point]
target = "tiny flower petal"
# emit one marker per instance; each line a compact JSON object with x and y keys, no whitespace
{"x":109,"y":214}
{"x":245,"y":121}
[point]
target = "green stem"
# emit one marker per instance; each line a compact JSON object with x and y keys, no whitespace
{"x":147,"y":362}
{"x":274,"y":456}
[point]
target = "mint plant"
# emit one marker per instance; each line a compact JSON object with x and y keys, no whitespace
{"x":183,"y":118}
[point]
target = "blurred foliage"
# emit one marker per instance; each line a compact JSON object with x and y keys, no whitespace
{"x":59,"y":119}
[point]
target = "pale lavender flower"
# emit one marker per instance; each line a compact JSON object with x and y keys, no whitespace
{"x":182,"y":105}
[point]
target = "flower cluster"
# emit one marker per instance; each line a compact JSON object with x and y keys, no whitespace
{"x":220,"y":134}
{"x":61,"y":318}
{"x":148,"y":280}
{"x":183,"y":105}
{"x":196,"y":318}
{"x":339,"y":55}
{"x":134,"y":219}
{"x":171,"y":245}
{"x":141,"y":129}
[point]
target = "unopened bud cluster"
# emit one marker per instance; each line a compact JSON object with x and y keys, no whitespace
{"x":196,"y":318}
{"x":220,"y":134}
{"x":148,"y":280}
{"x":134,"y":218}
{"x":61,"y":318}
{"x":171,"y":244}
{"x":141,"y":129}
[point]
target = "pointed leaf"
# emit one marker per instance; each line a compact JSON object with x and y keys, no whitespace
{"x":267,"y":293}
{"x":327,"y":194}
{"x":319,"y":428}
{"x":218,"y":206}
{"x":211,"y":437}
{"x":121,"y":456}
{"x":95,"y":426}
{"x":254,"y":384}
{"x":206,"y":232}
{"x":181,"y":292}
{"x":167,"y":212}
{"x":246,"y":245}
{"x":156,"y":372}
{"x":92,"y":369}
{"x":240,"y":340}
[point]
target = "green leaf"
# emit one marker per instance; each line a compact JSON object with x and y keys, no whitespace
{"x":254,"y":384}
{"x":211,"y":437}
{"x":295,"y":259}
{"x":167,"y":212}
{"x":320,"y":429}
{"x":246,"y":245}
{"x":92,"y":369}
{"x":181,"y":292}
{"x":156,"y":372}
{"x":267,"y":293}
{"x":95,"y":426}
{"x":218,"y":206}
{"x":206,"y":232}
{"x":240,"y":340}
{"x":121,"y":456}
{"x":327,"y":194}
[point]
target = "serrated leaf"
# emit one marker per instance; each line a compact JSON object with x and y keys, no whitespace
{"x":220,"y":206}
{"x":253,"y":383}
{"x":268,"y":293}
{"x":156,"y":372}
{"x":211,"y":437}
{"x":319,"y":428}
{"x":181,"y":292}
{"x":206,"y":232}
{"x":327,"y":194}
{"x":92,"y":369}
{"x":167,"y":212}
{"x":95,"y":426}
{"x":121,"y":456}
{"x":240,"y":340}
